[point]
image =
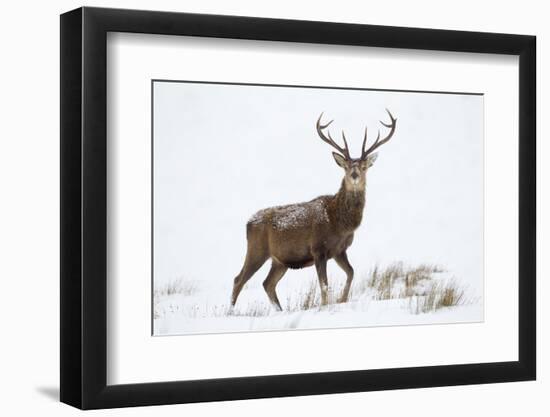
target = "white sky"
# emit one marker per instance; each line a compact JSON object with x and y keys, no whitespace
{"x":222,"y":152}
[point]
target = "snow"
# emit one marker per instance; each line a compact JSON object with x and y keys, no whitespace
{"x":293,"y":216}
{"x":424,"y":199}
{"x":207,"y":310}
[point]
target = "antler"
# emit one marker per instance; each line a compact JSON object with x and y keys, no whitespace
{"x":377,"y":143}
{"x":344,"y":151}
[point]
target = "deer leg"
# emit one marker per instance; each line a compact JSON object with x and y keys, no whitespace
{"x":343,"y":262}
{"x":321,"y":266}
{"x":251,"y":266}
{"x":270,"y":284}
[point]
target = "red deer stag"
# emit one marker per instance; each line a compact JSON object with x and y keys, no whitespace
{"x":300,"y":235}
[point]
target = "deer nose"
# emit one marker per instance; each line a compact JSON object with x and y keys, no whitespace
{"x":354,"y":175}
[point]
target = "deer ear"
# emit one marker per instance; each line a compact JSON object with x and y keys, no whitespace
{"x":340,"y":160}
{"x":371,"y":159}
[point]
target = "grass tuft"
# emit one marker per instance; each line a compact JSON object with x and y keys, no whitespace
{"x":178,"y":286}
{"x":421,"y":286}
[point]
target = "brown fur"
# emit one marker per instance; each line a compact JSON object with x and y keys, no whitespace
{"x":310,"y":233}
{"x":305,"y":234}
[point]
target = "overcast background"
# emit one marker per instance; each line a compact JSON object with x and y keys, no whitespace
{"x":222,"y":152}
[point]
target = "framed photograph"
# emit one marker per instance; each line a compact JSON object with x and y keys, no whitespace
{"x":257,"y":208}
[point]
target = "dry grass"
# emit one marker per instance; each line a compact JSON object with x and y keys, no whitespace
{"x":309,"y":299}
{"x":395,"y":281}
{"x":178,"y":286}
{"x":422,"y":287}
{"x":440,"y":295}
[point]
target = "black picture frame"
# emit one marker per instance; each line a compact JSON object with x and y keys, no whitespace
{"x":84,"y":207}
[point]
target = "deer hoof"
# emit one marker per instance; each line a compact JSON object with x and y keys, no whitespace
{"x":277,"y":307}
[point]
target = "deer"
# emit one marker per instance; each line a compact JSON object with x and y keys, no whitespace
{"x":311,"y":233}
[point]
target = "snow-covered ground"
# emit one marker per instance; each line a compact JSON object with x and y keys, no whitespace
{"x":223,"y":152}
{"x":189,"y":308}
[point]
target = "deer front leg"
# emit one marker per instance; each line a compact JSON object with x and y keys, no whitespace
{"x":321,"y":266}
{"x":343,"y":262}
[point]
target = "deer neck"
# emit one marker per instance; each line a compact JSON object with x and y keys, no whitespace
{"x":349,"y":207}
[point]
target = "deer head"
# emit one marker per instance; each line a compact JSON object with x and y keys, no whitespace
{"x":355,"y":168}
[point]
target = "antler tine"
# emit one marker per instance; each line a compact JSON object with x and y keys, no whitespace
{"x":377,"y":143}
{"x":345,"y":142}
{"x":319,"y":125}
{"x":393,"y":120}
{"x":364,"y":143}
{"x":328,"y":139}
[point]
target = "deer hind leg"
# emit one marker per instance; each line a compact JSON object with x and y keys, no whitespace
{"x":343,"y":262}
{"x":270,"y":284}
{"x":252,"y":263}
{"x":321,"y":266}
